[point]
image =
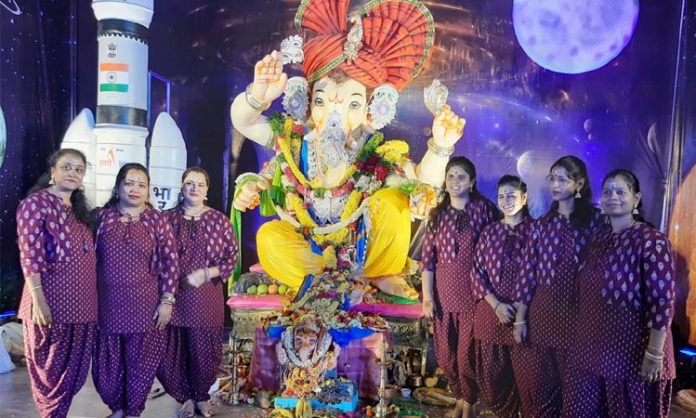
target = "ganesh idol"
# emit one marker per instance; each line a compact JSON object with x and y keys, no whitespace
{"x":343,"y":193}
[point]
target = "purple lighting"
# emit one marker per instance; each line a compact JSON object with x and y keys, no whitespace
{"x":572,"y":37}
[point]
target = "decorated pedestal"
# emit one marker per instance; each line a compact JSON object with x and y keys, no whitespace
{"x":346,"y":343}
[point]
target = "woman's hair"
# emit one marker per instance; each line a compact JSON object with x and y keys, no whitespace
{"x":81,"y":207}
{"x":183,"y":178}
{"x":517,"y":184}
{"x":633,"y":184}
{"x":122,"y":176}
{"x":583,"y":210}
{"x":466,"y":165}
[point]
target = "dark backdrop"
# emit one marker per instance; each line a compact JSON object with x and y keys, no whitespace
{"x":520,"y":116}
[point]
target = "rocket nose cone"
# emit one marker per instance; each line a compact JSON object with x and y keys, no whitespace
{"x":138,"y":11}
{"x":81,"y":129}
{"x":167,"y":133}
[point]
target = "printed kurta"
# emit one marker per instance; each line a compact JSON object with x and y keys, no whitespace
{"x":206,"y":242}
{"x":449,"y":254}
{"x":498,"y":260}
{"x":137,"y":262}
{"x":547,"y":279}
{"x":626,"y":288}
{"x":54,"y":244}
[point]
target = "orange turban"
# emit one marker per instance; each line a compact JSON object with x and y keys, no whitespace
{"x":397,"y":40}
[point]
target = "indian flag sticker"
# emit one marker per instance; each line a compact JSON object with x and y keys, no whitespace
{"x":113,"y":77}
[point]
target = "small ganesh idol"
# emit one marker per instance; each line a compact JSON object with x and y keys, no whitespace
{"x":343,"y":193}
{"x":307,"y":352}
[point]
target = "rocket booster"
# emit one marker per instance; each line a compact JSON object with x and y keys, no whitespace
{"x":121,"y":123}
{"x":167,"y":162}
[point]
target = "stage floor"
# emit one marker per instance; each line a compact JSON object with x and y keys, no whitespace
{"x":16,"y":402}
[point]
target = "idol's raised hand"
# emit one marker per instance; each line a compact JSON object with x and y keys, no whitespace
{"x":447,"y":128}
{"x":249,"y":196}
{"x":269,"y":78}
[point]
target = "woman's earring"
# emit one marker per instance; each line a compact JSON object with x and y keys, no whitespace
{"x":635,"y":211}
{"x":51,"y":182}
{"x":577,"y":194}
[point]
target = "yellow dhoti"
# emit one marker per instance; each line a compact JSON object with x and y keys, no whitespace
{"x":287,"y":256}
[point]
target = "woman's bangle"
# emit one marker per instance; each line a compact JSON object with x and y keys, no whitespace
{"x":654,"y":349}
{"x":168,"y":298}
{"x":519,"y":322}
{"x":497,"y":305}
{"x":207,"y":274}
{"x":166,"y":302}
{"x":34,"y":288}
{"x":654,"y":357}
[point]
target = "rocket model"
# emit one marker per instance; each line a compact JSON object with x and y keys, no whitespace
{"x":121,"y":128}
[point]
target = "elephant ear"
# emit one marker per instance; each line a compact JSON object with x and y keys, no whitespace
{"x":382,"y":109}
{"x":296,"y":98}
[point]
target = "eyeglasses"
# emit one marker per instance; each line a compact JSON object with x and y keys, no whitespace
{"x":69,"y":167}
{"x":561,"y":180}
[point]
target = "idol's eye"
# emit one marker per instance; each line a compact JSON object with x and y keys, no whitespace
{"x":355,"y":105}
{"x":318,"y":101}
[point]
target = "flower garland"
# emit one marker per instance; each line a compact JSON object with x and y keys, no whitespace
{"x":394,"y":151}
{"x":373,"y":163}
{"x":303,"y":381}
{"x":324,"y":300}
{"x":323,"y":230}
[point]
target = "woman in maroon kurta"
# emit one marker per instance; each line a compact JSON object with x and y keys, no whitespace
{"x":137,"y":264}
{"x":207,"y":257}
{"x":622,"y":361}
{"x":498,"y":258}
{"x":447,"y":260}
{"x":546,"y":286}
{"x":59,"y":300}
